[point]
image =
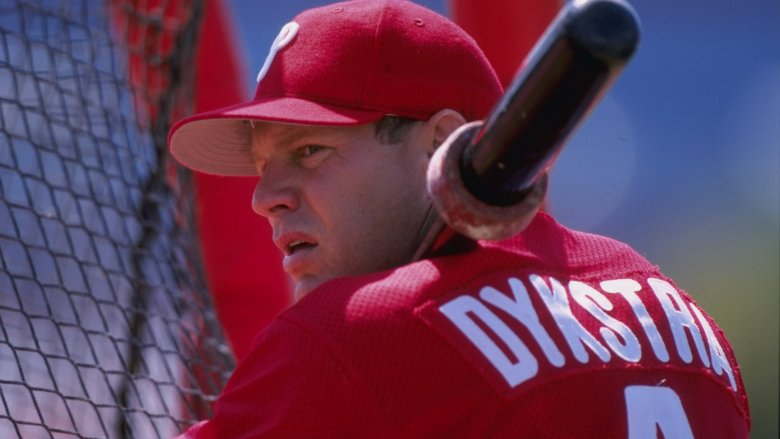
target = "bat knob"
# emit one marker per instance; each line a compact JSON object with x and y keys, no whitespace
{"x":463,"y":211}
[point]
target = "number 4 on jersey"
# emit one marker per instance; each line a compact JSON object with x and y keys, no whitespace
{"x":654,"y":409}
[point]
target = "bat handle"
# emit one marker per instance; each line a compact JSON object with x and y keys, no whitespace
{"x":454,"y":205}
{"x":489,"y":179}
{"x":563,"y":78}
{"x":466,"y":213}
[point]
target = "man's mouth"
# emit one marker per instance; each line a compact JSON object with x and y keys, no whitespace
{"x":298,"y":245}
{"x":298,"y":254}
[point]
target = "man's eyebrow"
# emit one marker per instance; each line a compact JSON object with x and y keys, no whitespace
{"x":297,"y":134}
{"x":266,"y":133}
{"x":327,"y":134}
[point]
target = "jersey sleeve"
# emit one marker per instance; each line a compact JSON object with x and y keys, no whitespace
{"x":291,"y":384}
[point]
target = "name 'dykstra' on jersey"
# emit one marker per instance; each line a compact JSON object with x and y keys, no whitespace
{"x":489,"y":320}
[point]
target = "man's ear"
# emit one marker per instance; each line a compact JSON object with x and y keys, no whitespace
{"x":440,"y":125}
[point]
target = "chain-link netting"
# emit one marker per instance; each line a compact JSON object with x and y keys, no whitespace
{"x":106,"y":327}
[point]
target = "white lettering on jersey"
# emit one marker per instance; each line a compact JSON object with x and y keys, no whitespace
{"x":578,"y":338}
{"x":497,"y":337}
{"x":521,"y":309}
{"x":653,"y":408}
{"x":680,"y":319}
{"x":596,"y":303}
{"x":514,"y":372}
{"x":628,"y":289}
{"x":719,"y":362}
{"x":286,"y":35}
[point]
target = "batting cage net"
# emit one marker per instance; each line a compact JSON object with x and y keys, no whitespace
{"x":106,"y":325}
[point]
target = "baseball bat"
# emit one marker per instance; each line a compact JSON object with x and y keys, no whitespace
{"x":489,"y":178}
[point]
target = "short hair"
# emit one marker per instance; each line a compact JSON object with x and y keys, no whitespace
{"x":393,"y":129}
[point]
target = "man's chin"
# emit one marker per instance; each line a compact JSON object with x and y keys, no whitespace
{"x":305,"y":286}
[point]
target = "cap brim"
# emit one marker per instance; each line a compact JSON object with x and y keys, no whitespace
{"x":219,"y":141}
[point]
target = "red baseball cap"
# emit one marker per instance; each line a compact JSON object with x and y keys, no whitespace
{"x":347,"y":63}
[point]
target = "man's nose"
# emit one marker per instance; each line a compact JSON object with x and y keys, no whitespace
{"x":274,"y":195}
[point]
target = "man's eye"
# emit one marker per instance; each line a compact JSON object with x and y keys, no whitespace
{"x":310,"y":150}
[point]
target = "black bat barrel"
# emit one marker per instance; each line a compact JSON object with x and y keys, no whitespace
{"x":565,"y":75}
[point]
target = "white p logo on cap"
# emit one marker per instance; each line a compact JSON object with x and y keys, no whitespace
{"x":286,"y":35}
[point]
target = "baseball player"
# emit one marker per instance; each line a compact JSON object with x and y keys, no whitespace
{"x":552,"y":333}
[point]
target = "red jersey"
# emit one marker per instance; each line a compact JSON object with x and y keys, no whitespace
{"x":551,"y":334}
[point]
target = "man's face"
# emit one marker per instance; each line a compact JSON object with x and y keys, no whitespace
{"x":340,"y":202}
